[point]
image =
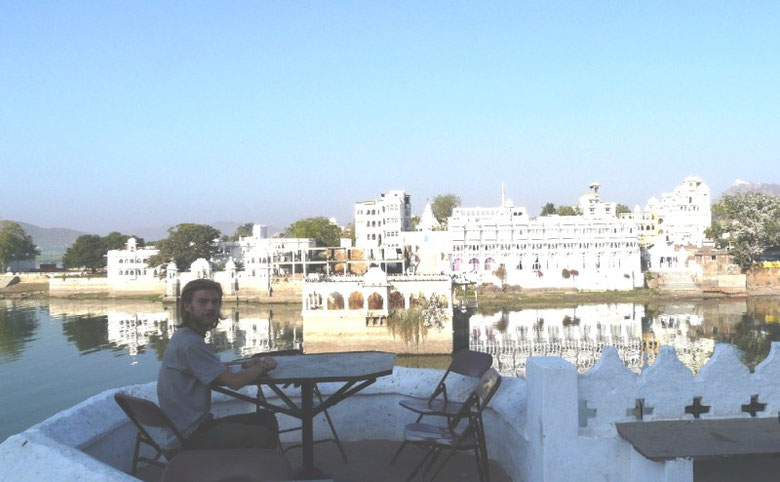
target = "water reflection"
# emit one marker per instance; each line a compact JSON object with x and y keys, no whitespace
{"x":132,"y":328}
{"x":579,"y":333}
{"x":18,"y":326}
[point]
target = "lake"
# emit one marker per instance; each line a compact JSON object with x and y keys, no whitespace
{"x":55,"y":353}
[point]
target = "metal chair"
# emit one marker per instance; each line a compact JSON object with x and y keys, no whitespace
{"x":452,"y":438}
{"x":146,"y":414}
{"x":464,"y":362}
{"x":228,"y":466}
{"x":261,"y":396}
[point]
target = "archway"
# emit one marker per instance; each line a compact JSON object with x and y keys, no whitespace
{"x":376,"y":302}
{"x":356,"y":301}
{"x":335,"y":301}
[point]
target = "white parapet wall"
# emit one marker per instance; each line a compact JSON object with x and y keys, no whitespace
{"x":554,"y":425}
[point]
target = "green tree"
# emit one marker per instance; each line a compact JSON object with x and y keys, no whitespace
{"x":186,"y":243}
{"x":621,"y":209}
{"x":415,"y":222}
{"x":117,"y":240}
{"x":566,"y":211}
{"x":747,"y":223}
{"x":86,"y":252}
{"x":244,"y":230}
{"x":443,"y":205}
{"x":320,"y":229}
{"x":15,"y":244}
{"x":547,"y":209}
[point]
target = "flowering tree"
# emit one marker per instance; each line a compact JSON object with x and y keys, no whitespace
{"x":747,"y":223}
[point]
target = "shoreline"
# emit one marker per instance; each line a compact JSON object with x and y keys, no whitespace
{"x":489,"y":299}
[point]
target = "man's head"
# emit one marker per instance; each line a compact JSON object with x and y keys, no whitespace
{"x":200,"y":304}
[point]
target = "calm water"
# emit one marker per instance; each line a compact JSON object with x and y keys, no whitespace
{"x":55,"y":354}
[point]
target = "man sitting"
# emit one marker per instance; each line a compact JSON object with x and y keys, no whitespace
{"x":188,"y":370}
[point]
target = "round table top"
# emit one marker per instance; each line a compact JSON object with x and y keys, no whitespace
{"x":330,"y":367}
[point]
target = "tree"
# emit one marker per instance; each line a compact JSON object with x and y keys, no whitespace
{"x":86,"y":252}
{"x":747,"y":223}
{"x":443,"y":205}
{"x":415,"y":222}
{"x":621,"y":209}
{"x":547,"y":209}
{"x":320,"y":229}
{"x":245,"y":230}
{"x":566,"y":211}
{"x":186,"y":243}
{"x":89,"y":250}
{"x":117,"y":240}
{"x":15,"y":244}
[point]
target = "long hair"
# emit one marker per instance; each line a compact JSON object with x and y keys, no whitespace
{"x":186,"y":297}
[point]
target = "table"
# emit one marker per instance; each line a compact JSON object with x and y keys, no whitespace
{"x":356,"y":370}
{"x":703,"y":438}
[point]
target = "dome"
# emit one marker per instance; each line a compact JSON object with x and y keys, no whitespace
{"x":201,"y":265}
{"x":375,"y":276}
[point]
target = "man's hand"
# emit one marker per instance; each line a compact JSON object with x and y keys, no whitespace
{"x":267,"y":363}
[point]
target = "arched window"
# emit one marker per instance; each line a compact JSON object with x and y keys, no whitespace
{"x":474,"y":263}
{"x":489,"y":264}
{"x":456,"y":264}
{"x":376,"y":302}
{"x":335,"y":301}
{"x":395,"y":301}
{"x":356,"y":301}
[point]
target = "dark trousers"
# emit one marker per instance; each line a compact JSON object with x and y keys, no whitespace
{"x":246,"y":430}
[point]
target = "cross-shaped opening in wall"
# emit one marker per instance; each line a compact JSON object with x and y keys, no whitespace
{"x":754,"y":406}
{"x":696,"y":409}
{"x":640,"y":409}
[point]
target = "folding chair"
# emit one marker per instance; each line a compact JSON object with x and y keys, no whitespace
{"x":146,"y":414}
{"x":464,"y":362}
{"x":228,"y":466}
{"x":261,"y":396}
{"x":452,"y":438}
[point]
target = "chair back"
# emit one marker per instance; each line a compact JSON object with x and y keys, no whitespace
{"x":470,"y":363}
{"x":146,"y":414}
{"x":476,"y":402}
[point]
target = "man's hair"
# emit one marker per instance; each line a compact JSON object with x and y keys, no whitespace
{"x":189,"y":291}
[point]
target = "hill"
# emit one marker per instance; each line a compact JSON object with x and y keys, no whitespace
{"x":743,"y":186}
{"x":51,"y":239}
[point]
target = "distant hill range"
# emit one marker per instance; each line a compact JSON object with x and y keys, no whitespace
{"x":743,"y":186}
{"x":51,"y":239}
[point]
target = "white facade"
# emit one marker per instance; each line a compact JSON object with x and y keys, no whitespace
{"x":380,"y":222}
{"x":592,"y":251}
{"x":131,"y":263}
{"x":678,"y":220}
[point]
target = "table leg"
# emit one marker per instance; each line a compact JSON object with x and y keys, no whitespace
{"x":308,"y":470}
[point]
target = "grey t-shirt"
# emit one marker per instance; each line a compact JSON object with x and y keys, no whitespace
{"x":183,"y":386}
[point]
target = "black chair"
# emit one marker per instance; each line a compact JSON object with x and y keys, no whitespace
{"x":261,"y":396}
{"x":453,"y":438}
{"x":464,"y":362}
{"x":145,"y":415}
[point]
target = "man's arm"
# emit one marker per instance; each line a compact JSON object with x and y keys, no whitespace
{"x":236,"y":380}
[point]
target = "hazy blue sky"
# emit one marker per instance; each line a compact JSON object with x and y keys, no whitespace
{"x":123,"y":114}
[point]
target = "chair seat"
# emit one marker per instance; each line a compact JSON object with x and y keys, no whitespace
{"x":235,"y":465}
{"x":437,"y":435}
{"x":436,"y":407}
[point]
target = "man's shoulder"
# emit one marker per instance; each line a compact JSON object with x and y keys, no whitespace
{"x":185,"y":336}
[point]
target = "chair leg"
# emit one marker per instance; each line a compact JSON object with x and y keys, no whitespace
{"x":431,"y":463}
{"x":483,"y":448}
{"x":403,"y":444}
{"x":420,"y":465}
{"x":443,"y":463}
{"x":135,"y":453}
{"x":332,"y":428}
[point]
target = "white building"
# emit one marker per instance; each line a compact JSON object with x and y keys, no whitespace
{"x":675,"y":222}
{"x":131,"y":263}
{"x":592,"y":251}
{"x":379,"y":223}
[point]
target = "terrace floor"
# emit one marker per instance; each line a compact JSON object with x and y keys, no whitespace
{"x":369,"y":460}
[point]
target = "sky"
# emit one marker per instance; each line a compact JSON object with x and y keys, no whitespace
{"x":115,"y":114}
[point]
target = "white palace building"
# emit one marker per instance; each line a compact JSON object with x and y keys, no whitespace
{"x":592,"y":251}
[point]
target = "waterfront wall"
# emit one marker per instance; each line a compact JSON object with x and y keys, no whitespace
{"x":72,"y":286}
{"x":554,"y":425}
{"x":763,"y":281}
